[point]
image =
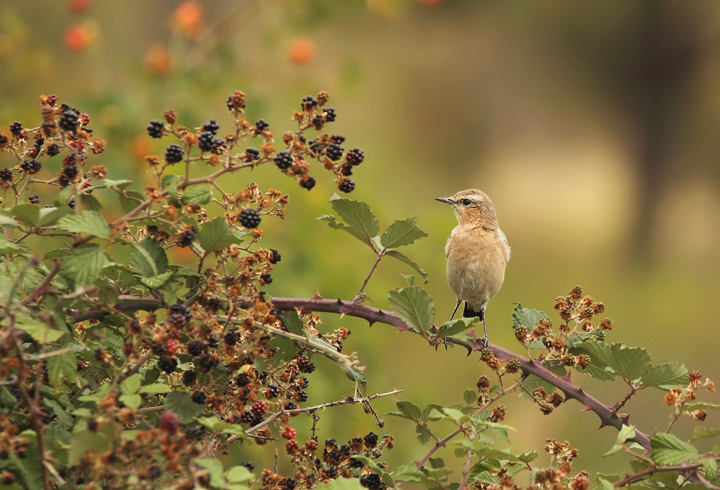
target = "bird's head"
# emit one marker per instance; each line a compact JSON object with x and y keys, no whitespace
{"x":473,"y":207}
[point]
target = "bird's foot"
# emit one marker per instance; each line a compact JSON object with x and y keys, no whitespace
{"x":484,"y":342}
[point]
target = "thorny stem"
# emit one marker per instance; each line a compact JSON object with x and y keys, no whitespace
{"x":680,"y":468}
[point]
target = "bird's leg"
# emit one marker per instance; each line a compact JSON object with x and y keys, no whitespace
{"x":484,"y":338}
{"x":455,"y":310}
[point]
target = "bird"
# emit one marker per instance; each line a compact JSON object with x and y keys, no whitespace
{"x":477,"y":253}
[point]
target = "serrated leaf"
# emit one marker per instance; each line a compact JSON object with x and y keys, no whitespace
{"x":454,"y":327}
{"x":403,"y":258}
{"x":62,"y":369}
{"x":629,"y":362}
{"x":408,"y":473}
{"x":669,"y":450}
{"x":28,"y":214}
{"x":702,"y":432}
{"x":7,"y":248}
{"x":82,"y":265}
{"x":131,"y":384}
{"x":83,"y":441}
{"x":361,"y":222}
{"x":216,"y":234}
{"x":156,"y":282}
{"x":116,"y":184}
{"x":214,"y":469}
{"x":626,"y":432}
{"x":238,"y":474}
{"x":401,"y":233}
{"x":198,"y":194}
{"x":711,"y":468}
{"x":148,"y":258}
{"x":578,"y":339}
{"x":50,"y":216}
{"x":414,"y":306}
{"x":36,"y":329}
{"x":666,"y":376}
{"x":600,"y":355}
{"x":528,"y":456}
{"x":181,"y":403}
{"x":691,"y":407}
{"x":155,"y":388}
{"x":470,"y":397}
{"x":532,"y":383}
{"x":292,"y":322}
{"x":409,"y":410}
{"x":90,"y":222}
{"x":527,"y":316}
{"x":88,"y":202}
{"x":342,"y":484}
{"x":353,"y":374}
{"x":132,"y":401}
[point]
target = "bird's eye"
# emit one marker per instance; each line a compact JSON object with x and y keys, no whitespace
{"x":466,"y":202}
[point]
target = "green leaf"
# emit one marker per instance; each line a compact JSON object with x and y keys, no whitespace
{"x":238,"y":474}
{"x":198,"y":194}
{"x":181,"y":403}
{"x":409,"y":410}
{"x":702,"y":432}
{"x":62,"y":369}
{"x":669,"y":450}
{"x":130,"y":200}
{"x":470,"y":397}
{"x":148,"y":258}
{"x":215,"y":470}
{"x":28,"y":214}
{"x":84,"y":441}
{"x":158,"y":281}
{"x":292,"y":322}
{"x":116,"y":184}
{"x":216,"y":234}
{"x":131,"y":384}
{"x":342,"y":484}
{"x":50,"y":216}
{"x":132,"y":401}
{"x":414,"y":306}
{"x":404,"y":258}
{"x":527,"y":317}
{"x":215,"y":424}
{"x":711,"y":468}
{"x":691,"y":407}
{"x":40,"y":331}
{"x":90,"y":222}
{"x":629,"y":362}
{"x":89,"y":202}
{"x":454,"y":327}
{"x":666,"y":376}
{"x":600,"y":355}
{"x":82,"y":265}
{"x":8,"y":222}
{"x":408,"y":473}
{"x":7,"y":248}
{"x":402,"y":232}
{"x":528,"y":456}
{"x":625,"y":433}
{"x":155,"y":388}
{"x":361,"y":222}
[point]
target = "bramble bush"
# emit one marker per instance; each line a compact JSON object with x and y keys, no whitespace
{"x":120,"y":369}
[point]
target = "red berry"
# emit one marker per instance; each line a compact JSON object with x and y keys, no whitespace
{"x":259,"y":408}
{"x":289,"y":433}
{"x":292,"y":446}
{"x":169,"y":422}
{"x":171,"y":347}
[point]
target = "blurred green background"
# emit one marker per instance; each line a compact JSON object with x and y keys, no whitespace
{"x":592,"y":126}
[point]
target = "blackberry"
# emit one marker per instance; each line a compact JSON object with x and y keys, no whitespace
{"x":283,"y":160}
{"x":198,"y":397}
{"x":334,"y":152}
{"x":232,"y":337}
{"x":339,"y":139}
{"x":154,"y":472}
{"x":308,"y":184}
{"x":372,"y":481}
{"x":167,"y":364}
{"x":236,"y":102}
{"x":248,"y":465}
{"x":189,"y":377}
{"x":179,"y":315}
{"x":273,"y":391}
{"x":34,"y":199}
{"x":301,"y":396}
{"x":68,"y":121}
{"x":309,"y":102}
{"x":258,"y":409}
{"x":249,"y":218}
{"x":318,"y":122}
{"x":211,"y":126}
{"x":16,"y":128}
{"x":70,"y":171}
{"x":71,"y":203}
{"x":92,"y":424}
{"x":3,"y":140}
{"x":346,"y":170}
{"x":242,"y":379}
{"x":252,"y":154}
{"x":304,"y":365}
{"x":246,"y":417}
{"x":5,"y":174}
{"x":266,"y":278}
{"x":355,"y":156}
{"x":208,"y":362}
{"x":303,"y":381}
{"x":329,"y":114}
{"x":371,"y":439}
{"x":63,"y":181}
{"x":261,"y":125}
{"x":346,"y":185}
{"x":31,"y":166}
{"x":290,"y":406}
{"x":155,"y":128}
{"x":213,"y":340}
{"x":356,"y":463}
{"x":53,"y":150}
{"x":276,"y":257}
{"x":205,"y":141}
{"x":186,"y":238}
{"x":196,"y":347}
{"x":174,"y":153}
{"x":196,"y":433}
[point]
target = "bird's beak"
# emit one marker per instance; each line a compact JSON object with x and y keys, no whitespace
{"x":446,"y":200}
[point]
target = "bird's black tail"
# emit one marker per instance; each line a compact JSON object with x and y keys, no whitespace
{"x":469,"y":313}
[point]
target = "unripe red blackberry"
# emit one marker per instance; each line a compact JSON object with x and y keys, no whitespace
{"x":155,"y":128}
{"x":258,"y":409}
{"x":205,"y":141}
{"x":276,"y":257}
{"x":5,"y":174}
{"x":31,"y":166}
{"x":198,"y":397}
{"x":289,"y":433}
{"x":169,"y":422}
{"x":308,"y":183}
{"x":249,"y":218}
{"x":355,"y":156}
{"x":283,"y":160}
{"x":334,"y":152}
{"x":196,"y":347}
{"x":346,"y":185}
{"x":211,"y":126}
{"x":68,"y":121}
{"x":174,"y":153}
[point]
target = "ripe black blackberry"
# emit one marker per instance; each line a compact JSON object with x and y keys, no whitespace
{"x":283,"y":160}
{"x":372,"y":481}
{"x":34,"y":199}
{"x":196,"y":433}
{"x":301,"y":396}
{"x":186,"y":238}
{"x":337,"y":138}
{"x":207,"y":362}
{"x":266,"y":278}
{"x":167,"y":364}
{"x":211,"y":126}
{"x":355,"y":156}
{"x":198,"y":397}
{"x":213,"y":341}
{"x":196,"y":347}
{"x":71,"y":203}
{"x":68,"y":121}
{"x":31,"y":166}
{"x":16,"y":128}
{"x":249,"y":218}
{"x":154,"y":472}
{"x":273,"y":391}
{"x":155,"y":128}
{"x":63,"y":181}
{"x":252,"y":154}
{"x":53,"y":150}
{"x":3,"y":140}
{"x":318,"y":122}
{"x":334,"y":152}
{"x":304,"y":364}
{"x":290,"y":406}
{"x":242,"y":379}
{"x":346,"y":170}
{"x":70,"y":171}
{"x":346,"y":185}
{"x":232,"y":337}
{"x":308,"y":103}
{"x":205,"y":141}
{"x":246,"y":417}
{"x":5,"y":174}
{"x":174,"y":153}
{"x":329,"y":114}
{"x":179,"y":315}
{"x":189,"y":377}
{"x":371,"y":439}
{"x":308,"y":184}
{"x":276,"y":257}
{"x":261,"y":125}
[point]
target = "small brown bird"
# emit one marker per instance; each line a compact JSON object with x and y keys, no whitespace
{"x":477,"y":253}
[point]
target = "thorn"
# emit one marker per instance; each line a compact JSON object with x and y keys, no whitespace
{"x":339,"y":301}
{"x":317,"y":295}
{"x":371,"y":323}
{"x":567,"y":377}
{"x":625,"y":419}
{"x":342,"y":315}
